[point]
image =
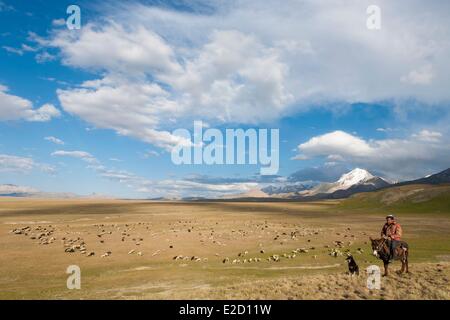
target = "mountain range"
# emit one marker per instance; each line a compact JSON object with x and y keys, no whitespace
{"x":356,"y":181}
{"x":12,"y":190}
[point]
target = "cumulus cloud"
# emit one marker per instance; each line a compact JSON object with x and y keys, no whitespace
{"x":131,"y":109}
{"x":410,"y":157}
{"x":156,"y":65}
{"x":115,"y":47}
{"x":228,"y":80}
{"x":15,"y":108}
{"x":337,"y":143}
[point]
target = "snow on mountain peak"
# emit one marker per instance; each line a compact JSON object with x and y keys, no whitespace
{"x":354,"y":177}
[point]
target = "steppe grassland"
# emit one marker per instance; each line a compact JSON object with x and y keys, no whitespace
{"x":165,"y":250}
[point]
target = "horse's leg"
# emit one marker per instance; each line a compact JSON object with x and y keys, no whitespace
{"x":403,"y":259}
{"x":385,"y":268}
{"x":406,"y":258}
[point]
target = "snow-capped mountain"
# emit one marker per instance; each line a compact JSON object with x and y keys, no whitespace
{"x":437,"y":178}
{"x":357,"y":180}
{"x":356,"y":176}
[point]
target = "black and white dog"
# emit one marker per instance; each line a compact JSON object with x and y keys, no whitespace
{"x":352,"y":266}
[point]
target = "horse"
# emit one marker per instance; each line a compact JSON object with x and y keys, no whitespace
{"x":382,"y":251}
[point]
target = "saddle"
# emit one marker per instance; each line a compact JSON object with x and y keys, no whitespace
{"x":399,"y":249}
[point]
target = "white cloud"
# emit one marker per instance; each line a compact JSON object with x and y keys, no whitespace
{"x":13,"y":50}
{"x":59,"y":22}
{"x":9,"y":163}
{"x":44,"y":56}
{"x":386,"y":129}
{"x":44,"y":113}
{"x":83,"y":155}
{"x":411,"y":157}
{"x":131,"y":109}
{"x":20,"y":51}
{"x":228,"y":81}
{"x":151,"y":153}
{"x":54,"y":140}
{"x":114,"y":47}
{"x":17,"y":164}
{"x":14,"y":108}
{"x":428,"y":136}
{"x":228,"y":65}
{"x":300,"y":157}
{"x":423,"y":75}
{"x":185,"y":188}
{"x":337,"y":143}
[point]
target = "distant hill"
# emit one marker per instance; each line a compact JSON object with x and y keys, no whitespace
{"x":438,"y":178}
{"x":355,"y":181}
{"x":12,"y":190}
{"x":411,"y":198}
{"x":288,"y":188}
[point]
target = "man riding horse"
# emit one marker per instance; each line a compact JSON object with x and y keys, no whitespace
{"x":392,"y":232}
{"x":390,"y":247}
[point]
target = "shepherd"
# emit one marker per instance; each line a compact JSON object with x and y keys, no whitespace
{"x":392,"y":232}
{"x":390,"y":247}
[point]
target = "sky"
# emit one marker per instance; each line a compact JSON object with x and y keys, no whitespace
{"x":93,"y":110}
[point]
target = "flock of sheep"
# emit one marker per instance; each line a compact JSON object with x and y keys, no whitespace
{"x":133,"y":235}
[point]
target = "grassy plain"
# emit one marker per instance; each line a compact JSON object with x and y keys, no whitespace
{"x":205,"y":234}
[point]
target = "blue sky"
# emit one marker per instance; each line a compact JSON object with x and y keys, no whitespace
{"x":92,"y":110}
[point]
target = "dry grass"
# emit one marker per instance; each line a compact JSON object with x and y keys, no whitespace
{"x":426,"y":281}
{"x":210,"y":232}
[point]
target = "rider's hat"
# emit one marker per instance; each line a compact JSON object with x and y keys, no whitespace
{"x":390,"y":216}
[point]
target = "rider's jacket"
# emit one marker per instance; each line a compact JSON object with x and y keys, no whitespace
{"x":393,"y":230}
